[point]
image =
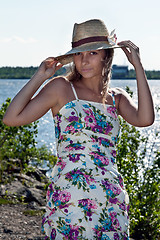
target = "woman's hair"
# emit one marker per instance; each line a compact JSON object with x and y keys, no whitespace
{"x":74,"y":75}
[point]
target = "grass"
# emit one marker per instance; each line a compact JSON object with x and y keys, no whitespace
{"x":33,"y":212}
{"x":28,"y":212}
{"x":4,"y":201}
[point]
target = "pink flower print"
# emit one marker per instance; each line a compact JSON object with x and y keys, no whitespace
{"x":88,"y":111}
{"x":116,"y":190}
{"x":70,"y":148}
{"x":70,"y":129}
{"x":61,"y":137}
{"x":53,"y":233}
{"x":108,"y":129}
{"x":113,"y":200}
{"x":58,"y":117}
{"x":93,"y":139}
{"x":61,"y":164}
{"x":52,"y":212}
{"x":111,"y":110}
{"x":88,"y":206}
{"x":72,"y":118}
{"x":99,"y":160}
{"x":113,"y":153}
{"x":90,"y":121}
{"x":92,"y":204}
{"x":88,"y":178}
{"x":75,"y":157}
{"x":105,"y":142}
{"x":116,"y":224}
{"x":122,"y":206}
{"x":128,"y":207}
{"x":83,"y":202}
{"x":106,"y":184}
{"x":74,"y":146}
{"x":64,"y":196}
{"x":116,"y":236}
{"x":55,"y":196}
{"x":104,"y":160}
{"x":73,"y":233}
{"x":98,"y":233}
{"x":120,"y":179}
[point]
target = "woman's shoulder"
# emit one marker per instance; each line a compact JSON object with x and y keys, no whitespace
{"x":60,"y":80}
{"x":59,"y":83}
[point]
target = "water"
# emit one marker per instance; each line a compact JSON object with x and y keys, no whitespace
{"x":9,"y":88}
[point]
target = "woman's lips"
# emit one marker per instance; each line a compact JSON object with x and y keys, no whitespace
{"x":86,"y":70}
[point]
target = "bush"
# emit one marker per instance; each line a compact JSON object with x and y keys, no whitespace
{"x":141,"y":180}
{"x":19,"y":143}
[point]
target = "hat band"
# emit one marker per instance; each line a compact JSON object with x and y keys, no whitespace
{"x":89,"y":40}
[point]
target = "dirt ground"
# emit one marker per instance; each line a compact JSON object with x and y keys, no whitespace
{"x":15,"y":225}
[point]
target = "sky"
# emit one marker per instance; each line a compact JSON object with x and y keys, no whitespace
{"x":32,"y":30}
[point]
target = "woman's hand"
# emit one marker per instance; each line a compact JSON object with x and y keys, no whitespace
{"x":143,"y":114}
{"x":48,"y":67}
{"x":132,"y":52}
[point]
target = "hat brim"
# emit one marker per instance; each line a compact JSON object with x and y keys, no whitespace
{"x":68,"y":57}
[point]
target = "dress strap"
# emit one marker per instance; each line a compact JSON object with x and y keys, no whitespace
{"x":74,"y":91}
{"x":113,"y":97}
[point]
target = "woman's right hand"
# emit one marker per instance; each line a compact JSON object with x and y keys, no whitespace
{"x":25,"y":108}
{"x":48,"y":68}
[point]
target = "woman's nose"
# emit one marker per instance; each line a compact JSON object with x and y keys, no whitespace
{"x":85,"y":58}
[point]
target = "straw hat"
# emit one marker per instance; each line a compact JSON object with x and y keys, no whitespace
{"x":88,"y":36}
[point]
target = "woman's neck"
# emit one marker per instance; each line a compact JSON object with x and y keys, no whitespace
{"x":94,"y":85}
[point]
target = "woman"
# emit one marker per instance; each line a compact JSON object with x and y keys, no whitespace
{"x":86,"y":198}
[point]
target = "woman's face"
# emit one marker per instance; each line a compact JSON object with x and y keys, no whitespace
{"x":90,"y":63}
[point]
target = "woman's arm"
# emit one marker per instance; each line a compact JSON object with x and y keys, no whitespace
{"x":25,"y":108}
{"x":143,"y":115}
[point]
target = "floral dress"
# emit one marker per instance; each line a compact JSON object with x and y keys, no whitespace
{"x":86,"y":198}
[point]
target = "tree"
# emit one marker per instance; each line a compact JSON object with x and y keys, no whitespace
{"x":19,"y":143}
{"x":141,"y":180}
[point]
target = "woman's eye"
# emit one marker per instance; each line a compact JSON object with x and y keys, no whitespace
{"x":77,"y":54}
{"x":93,"y":53}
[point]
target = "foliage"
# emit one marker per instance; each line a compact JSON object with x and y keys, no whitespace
{"x":31,"y":212}
{"x":17,"y":72}
{"x":19,"y":143}
{"x":150,"y":74}
{"x":22,"y":72}
{"x":141,"y":180}
{"x":27,"y":72}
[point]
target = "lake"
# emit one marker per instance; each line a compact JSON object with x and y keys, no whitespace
{"x":9,"y":88}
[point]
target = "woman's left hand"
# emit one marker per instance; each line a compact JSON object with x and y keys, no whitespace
{"x":131,"y":51}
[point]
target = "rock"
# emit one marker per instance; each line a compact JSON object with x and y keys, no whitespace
{"x":37,"y":174}
{"x":27,"y":188}
{"x":15,"y":224}
{"x":2,"y":190}
{"x":25,"y":193}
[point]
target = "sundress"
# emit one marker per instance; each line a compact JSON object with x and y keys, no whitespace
{"x":86,"y":198}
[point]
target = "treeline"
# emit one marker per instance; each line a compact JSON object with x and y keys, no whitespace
{"x":27,"y":72}
{"x":150,"y":74}
{"x":17,"y":72}
{"x":21,"y":72}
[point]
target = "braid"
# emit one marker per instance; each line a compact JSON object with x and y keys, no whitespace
{"x":107,"y":70}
